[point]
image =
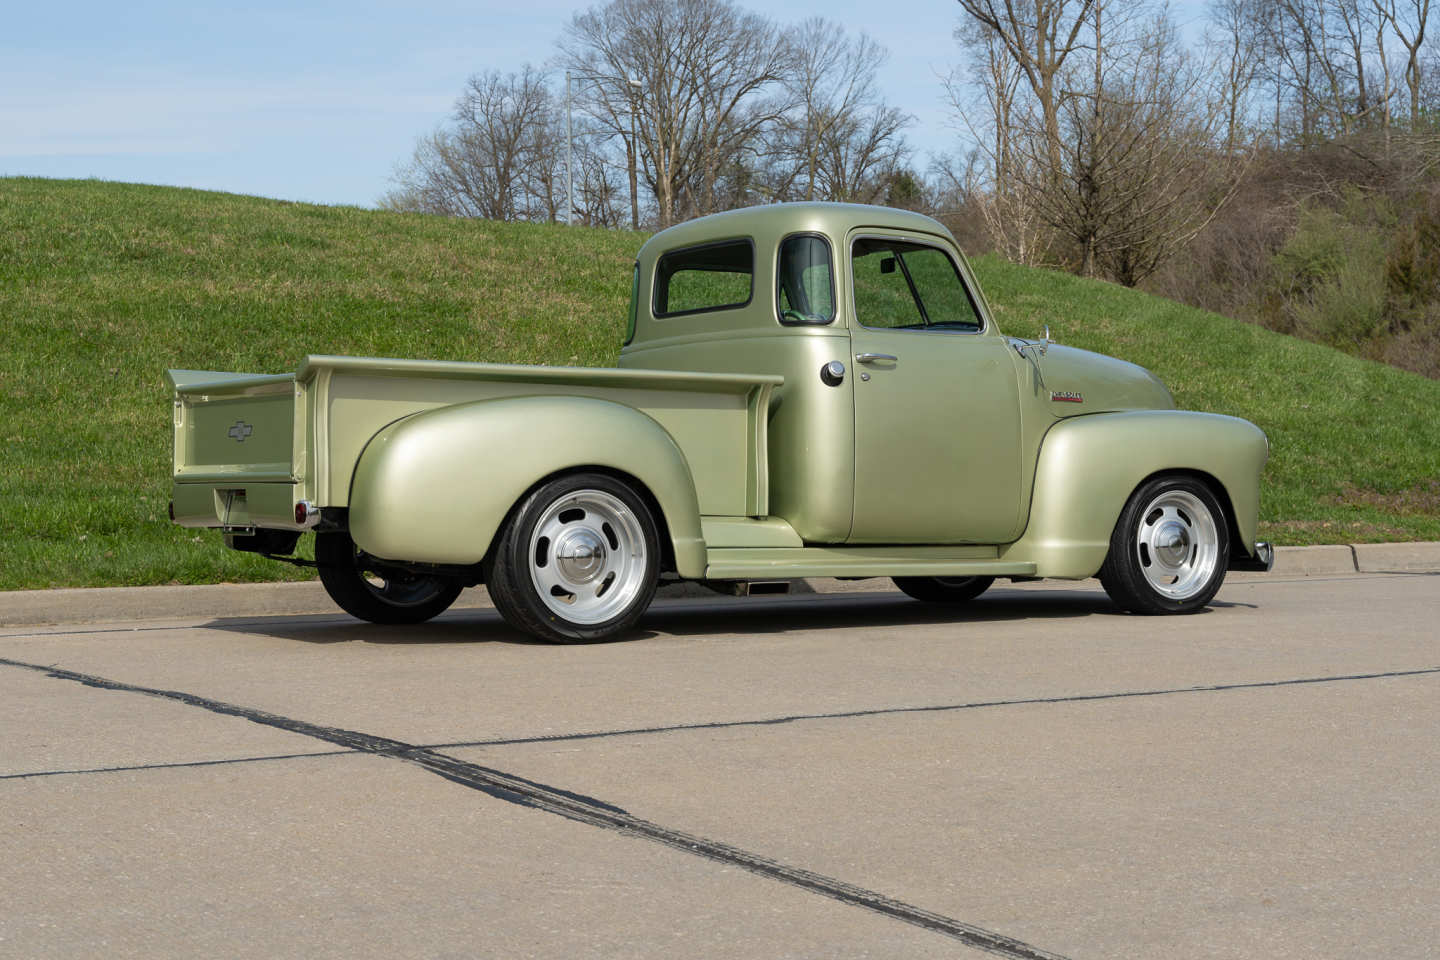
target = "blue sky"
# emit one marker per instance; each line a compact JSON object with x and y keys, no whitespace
{"x":319,"y":100}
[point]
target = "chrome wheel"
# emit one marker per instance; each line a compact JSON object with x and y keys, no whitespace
{"x":587,"y":557}
{"x":1169,"y":549}
{"x":1177,"y":544}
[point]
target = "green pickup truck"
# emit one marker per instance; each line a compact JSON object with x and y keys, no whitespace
{"x":805,"y":390}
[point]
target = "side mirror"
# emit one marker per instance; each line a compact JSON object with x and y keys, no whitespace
{"x":1034,"y":348}
{"x":887,"y":265}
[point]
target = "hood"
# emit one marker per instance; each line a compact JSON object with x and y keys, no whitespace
{"x":1081,"y":382}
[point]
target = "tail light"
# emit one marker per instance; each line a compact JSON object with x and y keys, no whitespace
{"x":306,"y":514}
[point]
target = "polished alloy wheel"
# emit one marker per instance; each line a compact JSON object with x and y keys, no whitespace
{"x":1177,"y":544}
{"x":587,"y":557}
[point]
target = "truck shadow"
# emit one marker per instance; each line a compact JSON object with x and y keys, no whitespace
{"x":683,"y":619}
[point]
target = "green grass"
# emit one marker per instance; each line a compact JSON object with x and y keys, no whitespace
{"x":103,"y":286}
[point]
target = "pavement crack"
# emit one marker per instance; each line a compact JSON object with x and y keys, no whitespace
{"x":581,"y":809}
{"x":177,"y":765}
{"x":931,"y":708}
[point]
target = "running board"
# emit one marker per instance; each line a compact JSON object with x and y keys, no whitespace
{"x":789,"y":562}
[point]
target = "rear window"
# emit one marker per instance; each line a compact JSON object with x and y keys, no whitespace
{"x":716,"y":276}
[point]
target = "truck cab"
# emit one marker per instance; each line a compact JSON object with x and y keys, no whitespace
{"x":906,"y":415}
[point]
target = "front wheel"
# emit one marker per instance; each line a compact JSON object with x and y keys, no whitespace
{"x":578,"y":562}
{"x":374,"y":592}
{"x":1169,"y":550}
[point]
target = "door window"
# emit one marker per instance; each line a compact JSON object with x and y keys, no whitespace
{"x":901,"y":285}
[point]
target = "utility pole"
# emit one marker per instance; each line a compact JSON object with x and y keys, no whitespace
{"x":634,"y":152}
{"x":632,"y":148}
{"x":569,"y":159}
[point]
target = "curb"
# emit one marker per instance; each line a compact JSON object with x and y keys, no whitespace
{"x":1420,"y":557}
{"x":248,"y":600}
{"x":20,"y":608}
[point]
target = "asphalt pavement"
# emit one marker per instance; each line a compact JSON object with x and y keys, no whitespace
{"x":823,"y":775}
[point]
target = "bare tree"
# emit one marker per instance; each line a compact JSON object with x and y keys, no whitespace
{"x":1235,"y":52}
{"x":1039,"y":36}
{"x":988,"y":103}
{"x":1409,"y":27}
{"x":1138,"y":172}
{"x":840,"y":136}
{"x":1153,"y":177}
{"x":494,"y":160}
{"x":599,"y":199}
{"x":704,"y":68}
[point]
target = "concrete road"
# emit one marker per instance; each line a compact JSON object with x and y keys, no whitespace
{"x":1035,"y":775}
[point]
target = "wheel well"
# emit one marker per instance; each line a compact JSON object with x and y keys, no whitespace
{"x":1237,"y":548}
{"x":662,"y":527}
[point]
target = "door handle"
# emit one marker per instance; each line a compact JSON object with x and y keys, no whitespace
{"x":872,"y":357}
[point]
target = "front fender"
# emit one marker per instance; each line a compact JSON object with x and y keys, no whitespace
{"x":434,"y":487}
{"x":1089,"y":466}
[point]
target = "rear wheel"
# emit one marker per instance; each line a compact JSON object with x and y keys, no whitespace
{"x":374,"y":592}
{"x":1169,"y":550}
{"x":944,"y":589}
{"x":578,"y":562}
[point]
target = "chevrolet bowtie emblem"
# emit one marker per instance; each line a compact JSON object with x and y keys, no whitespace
{"x":240,"y":431}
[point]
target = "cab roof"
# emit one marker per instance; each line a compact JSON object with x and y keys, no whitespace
{"x":770,"y":222}
{"x":765,"y":228}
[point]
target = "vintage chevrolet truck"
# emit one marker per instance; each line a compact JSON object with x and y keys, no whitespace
{"x":805,"y":390}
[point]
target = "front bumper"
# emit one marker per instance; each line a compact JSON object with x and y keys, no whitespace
{"x":1261,"y":562}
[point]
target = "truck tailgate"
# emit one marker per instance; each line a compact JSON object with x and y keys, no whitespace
{"x":235,"y":451}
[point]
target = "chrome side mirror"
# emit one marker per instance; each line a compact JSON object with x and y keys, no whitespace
{"x":1033,"y":348}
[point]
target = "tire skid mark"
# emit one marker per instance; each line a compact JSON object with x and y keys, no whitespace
{"x":580,"y":809}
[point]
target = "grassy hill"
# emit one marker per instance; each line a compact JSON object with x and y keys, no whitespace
{"x":103,"y":286}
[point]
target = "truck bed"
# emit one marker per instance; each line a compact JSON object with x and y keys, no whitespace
{"x":248,"y":447}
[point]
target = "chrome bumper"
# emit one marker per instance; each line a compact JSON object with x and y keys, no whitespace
{"x":1261,"y":562}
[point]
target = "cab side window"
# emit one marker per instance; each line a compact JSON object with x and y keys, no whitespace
{"x":900,"y":285}
{"x":804,"y":282}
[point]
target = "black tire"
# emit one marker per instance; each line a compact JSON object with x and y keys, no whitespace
{"x":1170,"y":548}
{"x":944,"y":589}
{"x":375,"y":593}
{"x":578,"y":561}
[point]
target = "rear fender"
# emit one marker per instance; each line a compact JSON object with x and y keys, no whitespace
{"x":1089,"y":466}
{"x":435,"y":487}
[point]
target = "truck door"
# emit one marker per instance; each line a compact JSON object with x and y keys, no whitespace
{"x":937,"y":407}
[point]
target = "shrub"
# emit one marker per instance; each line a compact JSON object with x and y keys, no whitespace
{"x":1412,"y":267}
{"x":1328,"y":282}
